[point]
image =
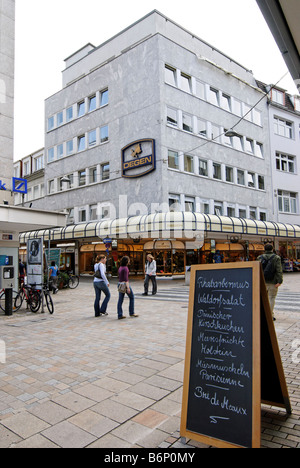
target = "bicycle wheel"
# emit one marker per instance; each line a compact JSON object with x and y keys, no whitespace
{"x":18,"y":301}
{"x":34,"y":300}
{"x":73,"y":281}
{"x":2,"y":301}
{"x":49,"y":302}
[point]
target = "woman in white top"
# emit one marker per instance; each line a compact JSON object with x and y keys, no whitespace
{"x":150,"y":272}
{"x":101,"y":284}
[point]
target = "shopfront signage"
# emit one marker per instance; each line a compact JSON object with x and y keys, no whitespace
{"x":18,"y":185}
{"x":138,"y":158}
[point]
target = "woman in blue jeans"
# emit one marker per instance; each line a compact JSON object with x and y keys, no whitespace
{"x":124,"y":278}
{"x":101,"y":285}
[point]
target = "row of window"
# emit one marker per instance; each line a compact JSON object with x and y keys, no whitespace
{"x":91,"y":175}
{"x":81,"y":143}
{"x":181,"y":120}
{"x":207,"y":168}
{"x":204,"y":91}
{"x":181,"y":202}
{"x":86,"y":105}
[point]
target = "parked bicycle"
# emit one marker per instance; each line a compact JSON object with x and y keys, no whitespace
{"x":45,"y":298}
{"x":69,"y":279}
{"x":2,"y":299}
{"x":30,"y":295}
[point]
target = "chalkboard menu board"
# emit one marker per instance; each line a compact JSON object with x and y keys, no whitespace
{"x":221,"y":382}
{"x":232,"y":359}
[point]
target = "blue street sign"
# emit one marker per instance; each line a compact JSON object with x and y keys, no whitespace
{"x":19,"y":185}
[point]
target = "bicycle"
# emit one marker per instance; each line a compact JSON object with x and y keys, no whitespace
{"x":70,"y":280}
{"x":44,"y":294}
{"x":31,"y":297}
{"x":2,"y":299}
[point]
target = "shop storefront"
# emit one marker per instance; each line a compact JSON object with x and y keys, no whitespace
{"x":176,"y":240}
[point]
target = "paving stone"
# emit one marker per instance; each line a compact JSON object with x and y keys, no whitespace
{"x":67,"y":435}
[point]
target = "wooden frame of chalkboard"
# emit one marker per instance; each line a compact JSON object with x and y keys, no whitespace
{"x":222,"y":381}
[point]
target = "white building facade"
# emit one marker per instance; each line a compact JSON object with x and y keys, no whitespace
{"x":156,"y":120}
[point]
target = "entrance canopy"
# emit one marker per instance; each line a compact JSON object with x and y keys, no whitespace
{"x":173,"y":225}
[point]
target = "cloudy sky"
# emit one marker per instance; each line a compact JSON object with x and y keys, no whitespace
{"x":48,"y":32}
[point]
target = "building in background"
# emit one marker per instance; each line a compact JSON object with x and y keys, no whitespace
{"x":7,"y":65}
{"x":156,"y":121}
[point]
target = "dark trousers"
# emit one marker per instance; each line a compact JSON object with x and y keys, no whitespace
{"x":154,"y":284}
{"x":99,"y":287}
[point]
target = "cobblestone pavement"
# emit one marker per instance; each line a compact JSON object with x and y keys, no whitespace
{"x":73,"y":380}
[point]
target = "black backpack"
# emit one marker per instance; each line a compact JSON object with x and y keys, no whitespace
{"x":269,"y":268}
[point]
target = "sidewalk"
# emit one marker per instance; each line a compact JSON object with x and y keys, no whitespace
{"x":73,"y":380}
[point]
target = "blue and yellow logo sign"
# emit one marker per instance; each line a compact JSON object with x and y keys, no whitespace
{"x":138,"y":158}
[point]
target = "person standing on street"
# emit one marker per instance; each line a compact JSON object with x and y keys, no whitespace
{"x":53,"y":276}
{"x":150,"y":272}
{"x":124,"y":279}
{"x":101,"y":284}
{"x":273,"y":274}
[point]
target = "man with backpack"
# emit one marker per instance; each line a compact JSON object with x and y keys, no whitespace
{"x":272,"y":268}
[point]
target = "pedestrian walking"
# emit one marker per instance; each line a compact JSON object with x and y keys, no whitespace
{"x":22,"y":272}
{"x":125,"y":288}
{"x":101,"y":284}
{"x":150,"y":272}
{"x":273,"y":274}
{"x":53,"y":276}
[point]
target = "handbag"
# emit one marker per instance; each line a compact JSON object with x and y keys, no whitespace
{"x":97,"y":274}
{"x":122,"y":288}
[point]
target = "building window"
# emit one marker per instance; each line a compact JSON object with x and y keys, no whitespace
{"x":188,"y":163}
{"x":51,"y":186}
{"x":200,"y":89}
{"x":238,"y":143}
{"x":93,"y":175}
{"x":252,"y":212}
{"x":240,"y":177}
{"x":187,"y":123}
{"x":287,"y":202}
{"x":237,"y":107}
{"x":256,"y":117}
{"x":170,"y":75}
{"x":50,"y":155}
{"x":249,"y":145}
{"x":261,"y":182}
{"x":105,"y":171}
{"x":213,"y":96}
{"x":172,"y":117}
{"x":81,"y":143}
{"x":104,"y":98}
{"x":202,"y":128}
{"x":50,"y":123}
{"x":60,"y":151}
{"x":203,"y":167}
{"x":70,"y":218}
{"x":185,"y":83}
{"x":69,"y":114}
{"x":277,"y":96}
{"x":92,"y":103}
{"x":70,"y":147}
{"x":104,"y":134}
{"x":82,"y":215}
{"x":82,"y":178}
{"x":251,"y":179}
{"x":218,"y":208}
{"x":189,"y":204}
{"x":173,"y":159}
{"x":229,"y":174}
{"x":92,"y":138}
{"x":225,"y":102}
{"x":230,"y":211}
{"x":215,"y":133}
{"x":81,"y":109}
{"x":259,"y":150}
{"x":93,"y":213}
{"x":60,"y":119}
{"x":217,"y":171}
{"x":283,"y":128}
{"x":242,"y":213}
{"x":174,"y":203}
{"x":285,"y":163}
{"x":39,"y":163}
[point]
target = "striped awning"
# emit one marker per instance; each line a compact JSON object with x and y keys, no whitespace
{"x":167,"y":225}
